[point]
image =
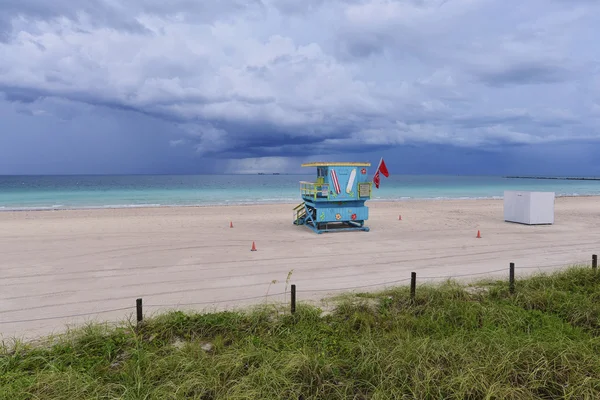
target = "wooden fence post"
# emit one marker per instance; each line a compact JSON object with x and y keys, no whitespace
{"x":594,"y":262}
{"x":511,"y":278}
{"x":413,"y":285}
{"x":293,"y":299}
{"x":138,"y":307}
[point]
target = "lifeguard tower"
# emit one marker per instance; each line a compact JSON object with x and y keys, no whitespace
{"x":336,"y":201}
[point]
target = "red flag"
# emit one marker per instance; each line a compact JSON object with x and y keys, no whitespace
{"x":383,"y":168}
{"x":380,"y":168}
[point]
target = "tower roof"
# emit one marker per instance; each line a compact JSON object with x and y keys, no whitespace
{"x":336,"y":164}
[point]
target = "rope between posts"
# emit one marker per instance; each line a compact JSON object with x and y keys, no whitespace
{"x":68,"y":316}
{"x":214,"y":302}
{"x":354,"y":287}
{"x":463,"y":275}
{"x":279,"y":294}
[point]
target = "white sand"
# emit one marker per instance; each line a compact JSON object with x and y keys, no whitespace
{"x":61,"y":263}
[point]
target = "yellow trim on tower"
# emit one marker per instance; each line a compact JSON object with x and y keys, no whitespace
{"x":336,"y":164}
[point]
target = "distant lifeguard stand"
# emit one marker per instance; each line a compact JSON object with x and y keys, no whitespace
{"x":336,"y":201}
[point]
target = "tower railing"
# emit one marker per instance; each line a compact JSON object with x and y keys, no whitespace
{"x":314,"y":189}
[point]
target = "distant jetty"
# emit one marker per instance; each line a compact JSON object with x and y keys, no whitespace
{"x":566,"y":178}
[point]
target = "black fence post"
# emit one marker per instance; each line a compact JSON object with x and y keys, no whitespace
{"x":138,"y":307}
{"x":511,"y":278}
{"x":594,"y":262}
{"x":293,"y":299}
{"x":413,"y":285}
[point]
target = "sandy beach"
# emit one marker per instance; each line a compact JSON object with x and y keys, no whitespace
{"x":64,"y":263}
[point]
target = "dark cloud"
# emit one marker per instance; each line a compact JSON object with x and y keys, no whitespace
{"x":476,"y":121}
{"x":293,"y":7}
{"x":20,"y":95}
{"x":271,"y":80}
{"x":525,"y":73}
{"x":515,"y":118}
{"x":100,"y":12}
{"x":123,"y":16}
{"x":352,"y":45}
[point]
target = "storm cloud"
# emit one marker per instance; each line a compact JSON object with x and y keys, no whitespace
{"x":240,"y":85}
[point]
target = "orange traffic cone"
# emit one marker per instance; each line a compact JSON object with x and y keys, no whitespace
{"x":478,"y":235}
{"x":231,"y":224}
{"x":253,"y":247}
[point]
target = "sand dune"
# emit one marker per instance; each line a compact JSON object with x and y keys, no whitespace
{"x":59,"y":263}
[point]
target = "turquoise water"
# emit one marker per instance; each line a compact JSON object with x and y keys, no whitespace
{"x":62,"y":192}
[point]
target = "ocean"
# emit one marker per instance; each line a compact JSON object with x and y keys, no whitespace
{"x":75,"y":192}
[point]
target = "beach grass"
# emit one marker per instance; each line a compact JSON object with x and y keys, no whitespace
{"x":454,"y":341}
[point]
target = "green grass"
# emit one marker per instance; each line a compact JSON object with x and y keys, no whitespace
{"x":452,"y":342}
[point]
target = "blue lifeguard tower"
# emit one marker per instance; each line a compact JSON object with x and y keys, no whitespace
{"x":336,"y":201}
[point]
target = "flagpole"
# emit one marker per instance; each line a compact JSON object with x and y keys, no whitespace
{"x":377,"y":171}
{"x":379,"y":166}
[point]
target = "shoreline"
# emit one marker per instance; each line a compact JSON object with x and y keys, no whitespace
{"x":560,"y":178}
{"x":4,"y":209}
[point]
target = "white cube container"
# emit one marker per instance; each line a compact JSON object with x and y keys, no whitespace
{"x":531,"y":208}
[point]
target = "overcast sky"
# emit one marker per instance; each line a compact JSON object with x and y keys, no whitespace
{"x":187,"y":86}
